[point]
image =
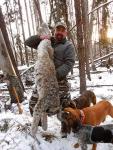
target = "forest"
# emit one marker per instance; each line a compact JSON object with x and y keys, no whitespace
{"x":90,"y":29}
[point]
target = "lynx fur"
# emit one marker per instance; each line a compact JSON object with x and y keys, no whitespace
{"x":47,"y":86}
{"x":44,"y":30}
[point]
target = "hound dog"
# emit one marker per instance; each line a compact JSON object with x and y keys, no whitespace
{"x":88,"y":134}
{"x":82,"y":101}
{"x":72,"y":118}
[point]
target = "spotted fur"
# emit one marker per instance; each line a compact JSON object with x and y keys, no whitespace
{"x":46,"y":85}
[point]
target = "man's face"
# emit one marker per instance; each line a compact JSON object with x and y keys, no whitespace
{"x":60,"y":33}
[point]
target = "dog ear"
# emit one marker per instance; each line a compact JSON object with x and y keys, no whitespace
{"x":72,"y":104}
{"x":65,"y":114}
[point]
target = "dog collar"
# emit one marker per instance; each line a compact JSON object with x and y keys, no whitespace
{"x":82,"y":116}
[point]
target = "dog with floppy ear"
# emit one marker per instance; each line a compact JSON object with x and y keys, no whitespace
{"x":72,"y":118}
{"x":85,"y":99}
{"x":82,"y":101}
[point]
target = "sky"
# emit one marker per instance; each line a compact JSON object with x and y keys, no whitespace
{"x":17,"y":135}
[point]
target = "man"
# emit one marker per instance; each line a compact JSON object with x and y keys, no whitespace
{"x":64,"y":58}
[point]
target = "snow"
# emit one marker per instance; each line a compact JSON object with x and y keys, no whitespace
{"x":15,"y":128}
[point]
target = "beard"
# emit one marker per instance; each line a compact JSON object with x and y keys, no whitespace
{"x":59,"y":37}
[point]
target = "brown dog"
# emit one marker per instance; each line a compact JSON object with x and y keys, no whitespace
{"x":82,"y":101}
{"x":72,"y":117}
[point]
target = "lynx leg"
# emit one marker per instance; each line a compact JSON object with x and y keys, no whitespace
{"x":34,"y":127}
{"x":44,"y":120}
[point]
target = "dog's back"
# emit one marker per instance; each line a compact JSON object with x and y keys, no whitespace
{"x":97,"y":113}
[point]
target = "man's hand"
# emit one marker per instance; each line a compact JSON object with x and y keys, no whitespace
{"x":42,"y":37}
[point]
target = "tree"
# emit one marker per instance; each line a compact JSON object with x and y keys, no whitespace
{"x":85,"y":20}
{"x":90,"y":37}
{"x":8,"y":64}
{"x":80,"y":44}
{"x":28,"y":23}
{"x":23,"y":32}
{"x":37,"y":4}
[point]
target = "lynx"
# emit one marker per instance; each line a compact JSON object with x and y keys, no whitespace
{"x":47,"y":86}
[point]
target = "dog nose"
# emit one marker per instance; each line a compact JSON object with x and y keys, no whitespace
{"x":64,"y":135}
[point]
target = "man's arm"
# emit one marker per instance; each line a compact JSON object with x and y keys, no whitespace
{"x":33,"y":41}
{"x":69,"y":60}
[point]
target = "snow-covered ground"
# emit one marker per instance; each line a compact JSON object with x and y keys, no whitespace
{"x":15,"y":128}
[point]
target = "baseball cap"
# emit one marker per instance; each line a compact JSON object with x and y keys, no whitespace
{"x":61,"y":24}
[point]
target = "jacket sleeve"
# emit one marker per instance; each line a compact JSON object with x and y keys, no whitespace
{"x":69,"y":60}
{"x":33,"y":41}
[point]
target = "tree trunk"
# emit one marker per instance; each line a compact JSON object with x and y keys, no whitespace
{"x":37,"y":4}
{"x":9,"y":48}
{"x":90,"y":38}
{"x":85,"y":19}
{"x":9,"y":54}
{"x":29,"y":30}
{"x":23,"y":32}
{"x":7,"y":67}
{"x":32,"y":14}
{"x":80,"y":45}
